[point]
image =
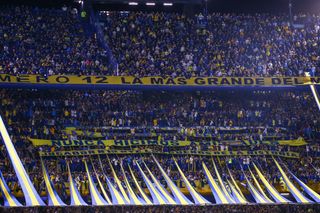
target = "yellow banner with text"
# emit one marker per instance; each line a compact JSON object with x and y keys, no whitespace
{"x":107,"y":143}
{"x":182,"y":152}
{"x":156,"y":80}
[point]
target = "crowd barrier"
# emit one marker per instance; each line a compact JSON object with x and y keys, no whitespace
{"x":246,"y":208}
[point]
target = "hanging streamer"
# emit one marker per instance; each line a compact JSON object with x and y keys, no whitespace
{"x":272,"y":191}
{"x":300,"y":198}
{"x":256,"y":195}
{"x":133,"y":197}
{"x":115,"y":194}
{"x":76,"y":199}
{"x":106,"y":197}
{"x":180,"y":198}
{"x":216,"y":190}
{"x":118,"y":182}
{"x":9,"y":199}
{"x":142,"y":193}
{"x":315,"y":196}
{"x":235,"y":184}
{"x":317,"y":170}
{"x":225,"y":191}
{"x":313,"y":90}
{"x":198,"y":199}
{"x":236,"y":194}
{"x":30,"y":194}
{"x":96,"y":198}
{"x":157,"y":197}
{"x":264,"y":195}
{"x":53,"y":197}
{"x":162,"y":190}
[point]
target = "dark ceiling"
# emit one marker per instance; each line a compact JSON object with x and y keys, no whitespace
{"x":225,"y":6}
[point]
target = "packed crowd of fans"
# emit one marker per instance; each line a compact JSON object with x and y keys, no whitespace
{"x":169,"y":44}
{"x":44,"y":114}
{"x":54,"y":41}
{"x":47,"y":42}
{"x":132,"y":115}
{"x":224,"y":115}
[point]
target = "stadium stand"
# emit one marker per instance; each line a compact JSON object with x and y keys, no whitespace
{"x":58,"y":123}
{"x":52,"y":41}
{"x":44,"y":114}
{"x":165,"y":44}
{"x":253,"y":149}
{"x":47,"y":42}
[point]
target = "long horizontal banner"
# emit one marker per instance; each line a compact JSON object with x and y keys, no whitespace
{"x":107,"y":143}
{"x":182,"y":152}
{"x":156,"y":80}
{"x":98,"y":133}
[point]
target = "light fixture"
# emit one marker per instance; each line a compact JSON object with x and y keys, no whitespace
{"x":133,"y":3}
{"x":167,"y":4}
{"x":150,"y":3}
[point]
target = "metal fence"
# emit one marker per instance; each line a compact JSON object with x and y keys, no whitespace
{"x":250,"y":208}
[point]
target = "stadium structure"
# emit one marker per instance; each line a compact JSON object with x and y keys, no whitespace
{"x":159,"y":106}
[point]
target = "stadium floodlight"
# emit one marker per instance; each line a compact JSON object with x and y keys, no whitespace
{"x":150,"y":4}
{"x":133,"y":3}
{"x":167,"y":4}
